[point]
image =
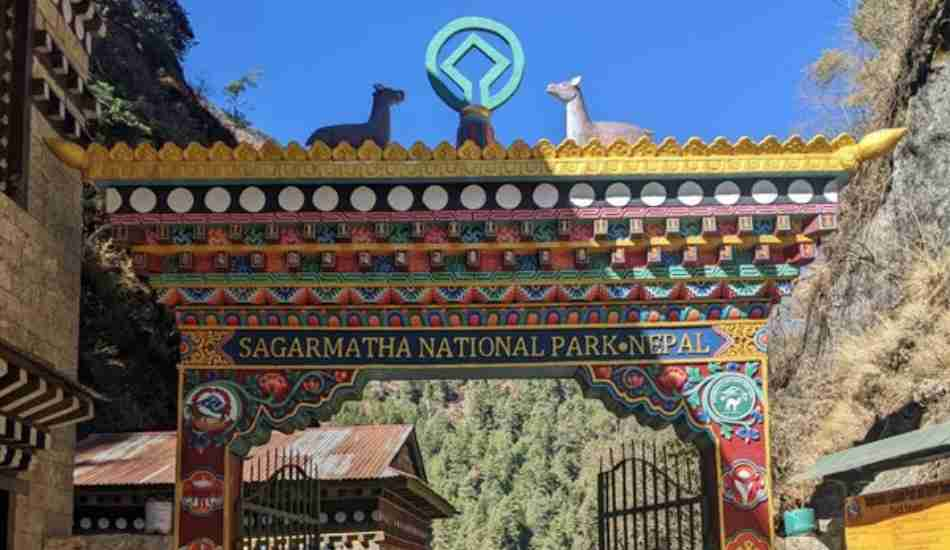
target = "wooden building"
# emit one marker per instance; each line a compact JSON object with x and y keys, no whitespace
{"x":373,"y":484}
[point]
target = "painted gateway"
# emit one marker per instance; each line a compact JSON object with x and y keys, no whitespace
{"x":645,"y":271}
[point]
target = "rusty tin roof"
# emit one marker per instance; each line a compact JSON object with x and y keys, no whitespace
{"x":347,"y":452}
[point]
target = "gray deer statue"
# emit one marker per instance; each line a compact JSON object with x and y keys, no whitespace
{"x":376,"y":128}
{"x":580,"y":127}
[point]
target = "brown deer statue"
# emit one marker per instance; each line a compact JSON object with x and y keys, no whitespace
{"x":580,"y":128}
{"x":376,"y":128}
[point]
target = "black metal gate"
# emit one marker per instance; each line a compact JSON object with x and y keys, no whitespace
{"x":280,"y":503}
{"x":653,"y":498}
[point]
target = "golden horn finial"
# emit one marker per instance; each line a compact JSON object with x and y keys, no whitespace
{"x":71,"y":154}
{"x":872,"y":146}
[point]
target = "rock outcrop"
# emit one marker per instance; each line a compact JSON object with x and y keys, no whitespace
{"x":893,"y":241}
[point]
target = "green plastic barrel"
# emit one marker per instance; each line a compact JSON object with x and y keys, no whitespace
{"x":799,"y":522}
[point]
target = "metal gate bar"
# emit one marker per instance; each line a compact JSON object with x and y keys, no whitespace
{"x":651,"y":499}
{"x":280,"y":503}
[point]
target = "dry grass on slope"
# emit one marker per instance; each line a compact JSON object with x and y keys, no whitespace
{"x":903,"y":357}
{"x":867,"y":332}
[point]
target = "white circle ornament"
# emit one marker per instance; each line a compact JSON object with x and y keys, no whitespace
{"x":363,"y":198}
{"x":653,"y":194}
{"x":103,"y":523}
{"x":618,"y":195}
{"x":831,"y":192}
{"x":113,"y":200}
{"x":121,"y":523}
{"x":324,"y":517}
{"x":252,"y":199}
{"x":764,"y":192}
{"x":291,"y":199}
{"x":727,"y":193}
{"x":690,"y":193}
{"x":508,"y":196}
{"x":582,"y":195}
{"x":400,"y":198}
{"x":545,"y":195}
{"x":325,"y":198}
{"x":143,"y":200}
{"x":435,"y":197}
{"x":217,"y":199}
{"x":85,"y":523}
{"x":359,"y":515}
{"x":339,"y":517}
{"x":730,"y":397}
{"x":180,"y":200}
{"x":139,"y":524}
{"x":800,"y":192}
{"x":473,"y":197}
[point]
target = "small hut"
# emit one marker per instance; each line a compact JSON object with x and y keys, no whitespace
{"x":373,"y":486}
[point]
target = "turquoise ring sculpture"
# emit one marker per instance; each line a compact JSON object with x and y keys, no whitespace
{"x":501,"y":63}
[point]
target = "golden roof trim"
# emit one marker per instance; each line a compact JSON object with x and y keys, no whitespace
{"x":272,"y":161}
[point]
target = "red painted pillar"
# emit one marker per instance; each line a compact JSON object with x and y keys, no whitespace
{"x":744,"y":496}
{"x":208,"y":475}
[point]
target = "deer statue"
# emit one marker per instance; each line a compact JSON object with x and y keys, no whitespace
{"x":376,"y":128}
{"x":580,"y":128}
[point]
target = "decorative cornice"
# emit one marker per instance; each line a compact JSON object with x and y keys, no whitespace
{"x":344,"y":162}
{"x":645,"y":275}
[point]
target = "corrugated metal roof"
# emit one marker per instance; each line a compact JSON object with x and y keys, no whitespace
{"x":148,"y":458}
{"x":907,"y":449}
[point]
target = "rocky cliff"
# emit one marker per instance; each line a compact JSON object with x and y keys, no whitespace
{"x":863,"y":352}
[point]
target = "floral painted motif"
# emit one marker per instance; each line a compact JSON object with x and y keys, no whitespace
{"x":400,"y":233}
{"x":728,"y":227}
{"x":151,"y":237}
{"x":254,"y":235}
{"x":217,"y":236}
{"x":618,"y":230}
{"x":436,"y":234}
{"x":508,"y":234}
{"x":691,"y":227}
{"x":763,"y":226}
{"x":289,"y":235}
{"x":725,"y":396}
{"x":363,"y":234}
{"x":183,"y":234}
{"x":273,"y":385}
{"x":744,"y":484}
{"x":581,"y":231}
{"x":326,"y":233}
{"x":655,"y":229}
{"x":545,"y":231}
{"x":473,"y":233}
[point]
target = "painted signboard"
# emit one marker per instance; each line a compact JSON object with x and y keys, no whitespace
{"x":913,"y":518}
{"x":454,"y":347}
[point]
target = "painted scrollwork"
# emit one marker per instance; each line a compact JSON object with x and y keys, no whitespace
{"x":238,"y":407}
{"x":204,"y":348}
{"x":725,"y":395}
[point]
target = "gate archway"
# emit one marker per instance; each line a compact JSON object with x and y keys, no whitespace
{"x":644,"y":271}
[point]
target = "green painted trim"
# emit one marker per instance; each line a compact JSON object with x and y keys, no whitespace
{"x":673,"y":274}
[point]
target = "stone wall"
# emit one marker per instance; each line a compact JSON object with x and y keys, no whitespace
{"x":110,"y":542}
{"x":39,"y":314}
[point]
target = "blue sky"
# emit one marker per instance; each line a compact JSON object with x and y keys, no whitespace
{"x":693,"y":68}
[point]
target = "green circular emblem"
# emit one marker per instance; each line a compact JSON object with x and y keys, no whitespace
{"x":731,"y":397}
{"x":500,"y":63}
